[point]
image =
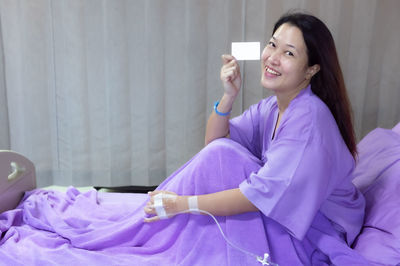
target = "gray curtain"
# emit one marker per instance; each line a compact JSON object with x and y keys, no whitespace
{"x":119,"y":92}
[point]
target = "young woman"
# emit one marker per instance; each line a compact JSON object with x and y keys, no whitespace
{"x":282,"y":169}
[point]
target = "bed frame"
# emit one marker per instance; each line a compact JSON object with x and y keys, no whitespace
{"x":17,"y":175}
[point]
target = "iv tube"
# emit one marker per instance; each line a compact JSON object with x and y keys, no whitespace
{"x":192,"y":201}
{"x":263,"y":260}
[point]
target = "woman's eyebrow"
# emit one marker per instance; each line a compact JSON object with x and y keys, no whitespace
{"x":291,"y":45}
{"x":288,"y":44}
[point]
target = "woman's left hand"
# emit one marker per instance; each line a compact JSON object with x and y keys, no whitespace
{"x":172,"y":205}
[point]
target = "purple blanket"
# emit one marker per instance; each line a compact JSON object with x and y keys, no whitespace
{"x":53,"y":228}
{"x":73,"y":228}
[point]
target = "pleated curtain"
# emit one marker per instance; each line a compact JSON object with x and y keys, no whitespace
{"x":118,"y":92}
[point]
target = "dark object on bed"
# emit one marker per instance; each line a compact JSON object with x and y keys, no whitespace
{"x":128,"y":189}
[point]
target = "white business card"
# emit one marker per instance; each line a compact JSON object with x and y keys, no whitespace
{"x":246,"y":50}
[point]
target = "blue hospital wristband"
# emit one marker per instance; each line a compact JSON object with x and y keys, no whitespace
{"x":219,"y":113}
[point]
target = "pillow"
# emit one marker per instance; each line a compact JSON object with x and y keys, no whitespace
{"x":397,"y":128}
{"x":377,"y":175}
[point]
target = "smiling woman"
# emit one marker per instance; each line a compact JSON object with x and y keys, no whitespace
{"x":289,"y":158}
{"x":323,"y":62}
{"x":285,"y":64}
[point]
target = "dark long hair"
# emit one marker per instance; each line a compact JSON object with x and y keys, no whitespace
{"x":328,"y":83}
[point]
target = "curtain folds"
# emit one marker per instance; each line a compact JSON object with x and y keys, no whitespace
{"x":118,"y":92}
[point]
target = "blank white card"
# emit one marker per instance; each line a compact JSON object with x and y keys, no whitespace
{"x":246,"y":50}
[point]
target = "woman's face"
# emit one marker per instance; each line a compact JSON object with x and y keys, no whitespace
{"x":284,"y":61}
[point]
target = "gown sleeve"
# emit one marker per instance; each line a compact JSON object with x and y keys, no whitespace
{"x":245,"y":129}
{"x":296,"y":177}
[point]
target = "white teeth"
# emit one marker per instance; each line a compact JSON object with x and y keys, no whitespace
{"x":272,"y":71}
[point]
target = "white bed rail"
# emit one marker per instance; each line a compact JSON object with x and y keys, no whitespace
{"x":17,"y":175}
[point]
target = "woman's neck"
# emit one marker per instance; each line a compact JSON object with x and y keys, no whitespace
{"x":285,"y":97}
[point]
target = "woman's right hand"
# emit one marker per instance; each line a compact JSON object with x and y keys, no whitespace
{"x":230,"y":75}
{"x":217,"y":125}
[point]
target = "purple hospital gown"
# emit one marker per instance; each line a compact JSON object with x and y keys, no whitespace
{"x":304,"y":184}
{"x":300,"y":180}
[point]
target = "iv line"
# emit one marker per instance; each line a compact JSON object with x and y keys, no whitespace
{"x":193,"y":207}
{"x":263,"y":261}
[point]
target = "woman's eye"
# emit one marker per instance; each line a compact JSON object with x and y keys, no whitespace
{"x":289,"y":53}
{"x":272,"y":44}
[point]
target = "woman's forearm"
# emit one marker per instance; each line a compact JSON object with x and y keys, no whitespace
{"x":217,"y":125}
{"x":223,"y":203}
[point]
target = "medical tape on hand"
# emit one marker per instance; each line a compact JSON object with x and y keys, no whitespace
{"x":193,"y":204}
{"x":159,"y":206}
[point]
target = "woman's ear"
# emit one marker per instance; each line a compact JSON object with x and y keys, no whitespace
{"x":312,"y":70}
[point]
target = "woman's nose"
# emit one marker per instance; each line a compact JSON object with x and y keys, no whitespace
{"x":273,"y":58}
{"x":270,"y":56}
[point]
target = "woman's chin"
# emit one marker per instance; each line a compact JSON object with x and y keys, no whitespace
{"x":267,"y":84}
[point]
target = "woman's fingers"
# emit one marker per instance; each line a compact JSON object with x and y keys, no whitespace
{"x":153,"y":193}
{"x":230,"y":65}
{"x":230,"y":71}
{"x":226,"y":58}
{"x":149,"y":208}
{"x":229,"y":62}
{"x":229,"y":74}
{"x":151,"y":219}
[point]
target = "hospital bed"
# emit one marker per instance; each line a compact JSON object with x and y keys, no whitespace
{"x":377,"y":175}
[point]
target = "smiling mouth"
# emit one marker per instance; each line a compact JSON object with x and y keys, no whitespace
{"x":271,"y":71}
